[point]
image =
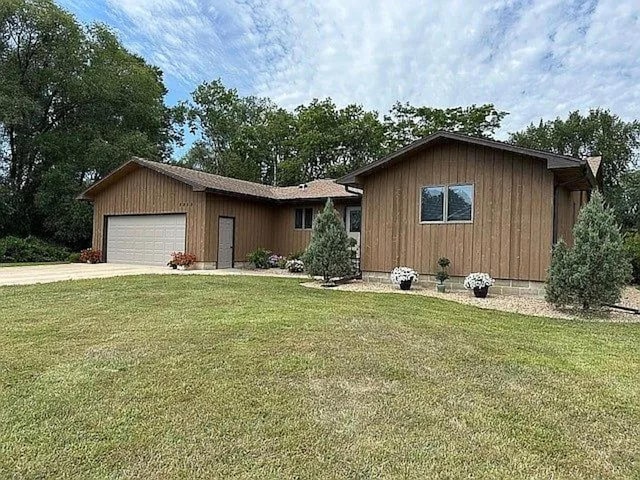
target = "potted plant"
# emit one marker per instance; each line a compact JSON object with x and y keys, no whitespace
{"x":295,"y":266}
{"x":442,"y":274}
{"x":479,"y":283}
{"x":181,"y":260}
{"x":404,"y":276}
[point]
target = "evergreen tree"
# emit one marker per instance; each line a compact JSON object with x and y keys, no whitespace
{"x":596,"y":268}
{"x":329,"y":252}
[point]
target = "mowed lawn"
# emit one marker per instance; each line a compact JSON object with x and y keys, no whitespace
{"x":215,"y":377}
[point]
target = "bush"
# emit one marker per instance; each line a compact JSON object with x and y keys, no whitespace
{"x":89,"y":255}
{"x":276,"y":260}
{"x":259,"y":258}
{"x":296,"y":255}
{"x":632,"y":248}
{"x":74,"y":257}
{"x":181,"y":259}
{"x":594,"y":271}
{"x":30,"y":249}
{"x":295,"y":266}
{"x":329,"y":253}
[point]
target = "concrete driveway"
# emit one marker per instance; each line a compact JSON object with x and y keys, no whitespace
{"x":72,"y":271}
{"x":79,"y":271}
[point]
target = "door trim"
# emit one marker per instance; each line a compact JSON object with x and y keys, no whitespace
{"x":233,"y":242}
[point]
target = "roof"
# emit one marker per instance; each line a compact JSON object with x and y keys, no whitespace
{"x":208,"y":182}
{"x":554,"y":161}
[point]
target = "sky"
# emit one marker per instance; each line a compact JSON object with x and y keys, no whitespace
{"x":533,"y":59}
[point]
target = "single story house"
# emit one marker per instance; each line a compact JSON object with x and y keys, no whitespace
{"x":486,"y":205}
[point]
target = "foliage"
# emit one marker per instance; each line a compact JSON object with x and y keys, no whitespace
{"x":253,"y":139}
{"x":74,"y":104}
{"x":182,"y":259}
{"x":74,"y":257}
{"x":276,"y":261}
{"x":596,"y":268}
{"x":30,"y":249}
{"x":329,"y":253}
{"x":598,"y":133}
{"x":628,"y":209}
{"x":478,"y":280}
{"x":442,"y":274}
{"x":632,"y":248}
{"x":89,"y":255}
{"x":403,"y":274}
{"x":406,"y":123}
{"x":295,"y":266}
{"x":259,"y":258}
{"x":295,"y":255}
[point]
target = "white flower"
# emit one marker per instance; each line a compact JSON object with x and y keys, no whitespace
{"x":295,"y":266}
{"x":403,"y":274}
{"x":478,"y":280}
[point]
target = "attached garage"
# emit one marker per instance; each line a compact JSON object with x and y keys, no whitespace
{"x":144,"y":239}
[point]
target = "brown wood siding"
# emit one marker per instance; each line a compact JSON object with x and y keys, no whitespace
{"x":144,"y":191}
{"x":569,"y":204}
{"x":253,"y":225}
{"x":286,"y":238}
{"x":512,"y":228}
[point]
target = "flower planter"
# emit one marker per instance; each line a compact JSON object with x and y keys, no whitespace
{"x":173,"y":266}
{"x":405,"y":285}
{"x":481,"y":292}
{"x":441,"y":287}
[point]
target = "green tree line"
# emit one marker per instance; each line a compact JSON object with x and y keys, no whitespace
{"x":75,"y":104}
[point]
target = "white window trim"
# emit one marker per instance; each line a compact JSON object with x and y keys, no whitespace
{"x":445,"y":208}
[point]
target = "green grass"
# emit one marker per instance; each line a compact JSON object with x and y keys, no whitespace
{"x":212,"y":377}
{"x":30,"y":264}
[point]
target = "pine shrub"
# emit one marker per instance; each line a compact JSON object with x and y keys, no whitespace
{"x":594,"y":271}
{"x":329,"y":252}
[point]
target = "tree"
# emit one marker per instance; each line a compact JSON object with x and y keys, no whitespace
{"x":406,"y":123}
{"x":596,"y":268}
{"x":74,"y":104}
{"x":598,"y":133}
{"x":329,"y":252}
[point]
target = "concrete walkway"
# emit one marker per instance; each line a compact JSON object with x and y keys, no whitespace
{"x":78,"y":271}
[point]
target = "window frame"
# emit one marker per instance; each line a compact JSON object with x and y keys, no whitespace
{"x":304,"y":217}
{"x":445,"y":204}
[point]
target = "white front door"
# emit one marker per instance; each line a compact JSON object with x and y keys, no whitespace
{"x":226,"y":227}
{"x":354,"y":224}
{"x":145,"y":239}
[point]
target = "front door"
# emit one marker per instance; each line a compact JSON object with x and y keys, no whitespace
{"x":226,"y":226}
{"x":354,"y":224}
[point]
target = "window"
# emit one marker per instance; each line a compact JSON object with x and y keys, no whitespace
{"x":355,"y":217}
{"x":447,"y":203}
{"x":304,"y":218}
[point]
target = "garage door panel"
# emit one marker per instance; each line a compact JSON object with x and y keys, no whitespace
{"x":145,"y":239}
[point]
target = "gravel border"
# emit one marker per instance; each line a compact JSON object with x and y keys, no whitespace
{"x":523,"y":304}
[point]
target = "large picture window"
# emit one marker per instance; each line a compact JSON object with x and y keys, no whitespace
{"x":446,"y":203}
{"x":304,"y":218}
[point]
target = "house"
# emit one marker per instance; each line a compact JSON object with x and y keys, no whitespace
{"x":486,"y":205}
{"x":145,"y":210}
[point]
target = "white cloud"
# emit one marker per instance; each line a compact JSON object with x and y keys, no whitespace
{"x":532,"y":58}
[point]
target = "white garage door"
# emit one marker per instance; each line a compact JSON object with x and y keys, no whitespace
{"x":145,"y":239}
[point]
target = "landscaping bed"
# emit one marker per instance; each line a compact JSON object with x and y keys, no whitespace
{"x":522,"y":304}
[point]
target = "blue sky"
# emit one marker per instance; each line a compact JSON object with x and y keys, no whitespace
{"x":534,"y":59}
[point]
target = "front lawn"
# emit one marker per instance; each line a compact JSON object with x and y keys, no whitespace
{"x":215,"y":377}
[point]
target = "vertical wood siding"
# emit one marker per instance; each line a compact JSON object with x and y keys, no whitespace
{"x":144,"y":191}
{"x":253,"y":225}
{"x":569,"y":204}
{"x":512,"y":228}
{"x":286,"y":238}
